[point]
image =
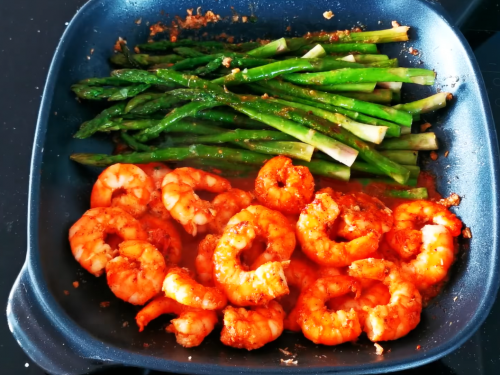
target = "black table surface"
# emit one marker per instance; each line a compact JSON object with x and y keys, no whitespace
{"x":29,"y":33}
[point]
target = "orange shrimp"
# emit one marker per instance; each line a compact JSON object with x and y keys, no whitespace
{"x":179,"y":286}
{"x":435,"y":259}
{"x":284,"y":187}
{"x":163,"y":235}
{"x":272,"y":227}
{"x":190,"y":328}
{"x":322,"y":326}
{"x":178,"y":193}
{"x":406,"y":238}
{"x":252,"y":329}
{"x":312,"y":232}
{"x":125,"y":186}
{"x":401,"y":314}
{"x":246,"y":288}
{"x":203,"y":262}
{"x":135,"y":276}
{"x":227,"y":205}
{"x":87,"y":237}
{"x":156,"y":171}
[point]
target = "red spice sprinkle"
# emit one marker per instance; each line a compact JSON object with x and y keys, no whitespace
{"x":418,"y":347}
{"x":146,"y":345}
{"x":446,"y":154}
{"x":395,"y":24}
{"x":434,"y":155}
{"x":76,"y":284}
{"x":66,"y":293}
{"x":425,"y":126}
{"x":105,"y":304}
{"x":137,"y":50}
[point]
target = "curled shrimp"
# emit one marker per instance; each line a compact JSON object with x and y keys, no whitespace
{"x":313,"y":227}
{"x":135,"y":276}
{"x":227,"y":205}
{"x":322,"y":326}
{"x":271,"y":227}
{"x":300,"y":274}
{"x":406,"y":238}
{"x":87,"y":237}
{"x":178,"y":194}
{"x":190,"y":328}
{"x":402,"y":313}
{"x":156,"y":171}
{"x":245,"y":288}
{"x":252,"y":329}
{"x":437,"y":255}
{"x":164,"y":236}
{"x":125,"y":186}
{"x":203,"y":262}
{"x":284,"y":187}
{"x":179,"y":286}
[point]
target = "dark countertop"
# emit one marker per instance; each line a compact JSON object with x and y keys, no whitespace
{"x":29,"y":33}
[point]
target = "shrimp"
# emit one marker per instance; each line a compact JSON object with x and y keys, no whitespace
{"x":135,"y":276}
{"x":178,"y":193}
{"x":203,"y":262}
{"x":179,"y":286}
{"x":402,"y":313}
{"x":312,"y":232}
{"x":156,"y":171}
{"x":190,"y":328}
{"x":405,"y":237}
{"x":322,"y":326}
{"x":361,"y":214}
{"x":272,"y":227}
{"x":252,"y":329}
{"x":227,"y":205}
{"x":125,"y":186}
{"x":284,"y":187}
{"x":246,"y":288}
{"x":376,"y":294}
{"x":163,"y":235}
{"x":299,"y":274}
{"x":435,"y":259}
{"x":87,"y":237}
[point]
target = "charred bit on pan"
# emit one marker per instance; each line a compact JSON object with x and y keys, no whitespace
{"x":328,"y":14}
{"x":466,"y":233}
{"x":378,"y":349}
{"x":288,"y":362}
{"x":452,"y":200}
{"x":434,"y":155}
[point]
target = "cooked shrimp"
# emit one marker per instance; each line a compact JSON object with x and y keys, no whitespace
{"x":402,"y":313}
{"x":435,"y":259}
{"x":272,"y":227}
{"x":203,"y":262}
{"x":322,"y":326}
{"x":376,"y":294}
{"x":299,"y":274}
{"x":406,"y":238}
{"x":245,"y":288}
{"x":87,"y":237}
{"x":163,"y":235}
{"x":179,"y":286}
{"x":361,"y":214}
{"x":190,"y":328}
{"x":135,"y":276}
{"x":252,"y":329}
{"x":125,"y":186}
{"x":227,"y":205}
{"x":178,"y":193}
{"x":156,"y":171}
{"x":284,"y":187}
{"x":312,"y":232}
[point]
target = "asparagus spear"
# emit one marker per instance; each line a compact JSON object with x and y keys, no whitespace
{"x":295,"y":150}
{"x":395,"y":87}
{"x":276,"y":47}
{"x":230,"y":118}
{"x":416,"y":193}
{"x":165,"y":45}
{"x":359,"y":166}
{"x":428,"y":104}
{"x":315,"y":52}
{"x":110,"y":93}
{"x":143,"y":59}
{"x":375,"y":110}
{"x":393,"y":130}
{"x":141,"y":99}
{"x":161,"y":102}
{"x":103,"y":81}
{"x":139,"y":76}
{"x":365,"y":59}
{"x":386,"y":181}
{"x":133,"y":144}
{"x":356,"y":87}
{"x":176,"y":114}
{"x":279,"y":67}
{"x":221,"y":167}
{"x":416,"y":142}
{"x":381,"y":96}
{"x":409,"y":75}
{"x":350,"y":47}
{"x":187,"y":80}
{"x":90,"y":127}
{"x":235,"y":135}
{"x":188,"y":52}
{"x":199,"y":127}
{"x":396,"y":34}
{"x":174,"y":154}
{"x":402,"y":156}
